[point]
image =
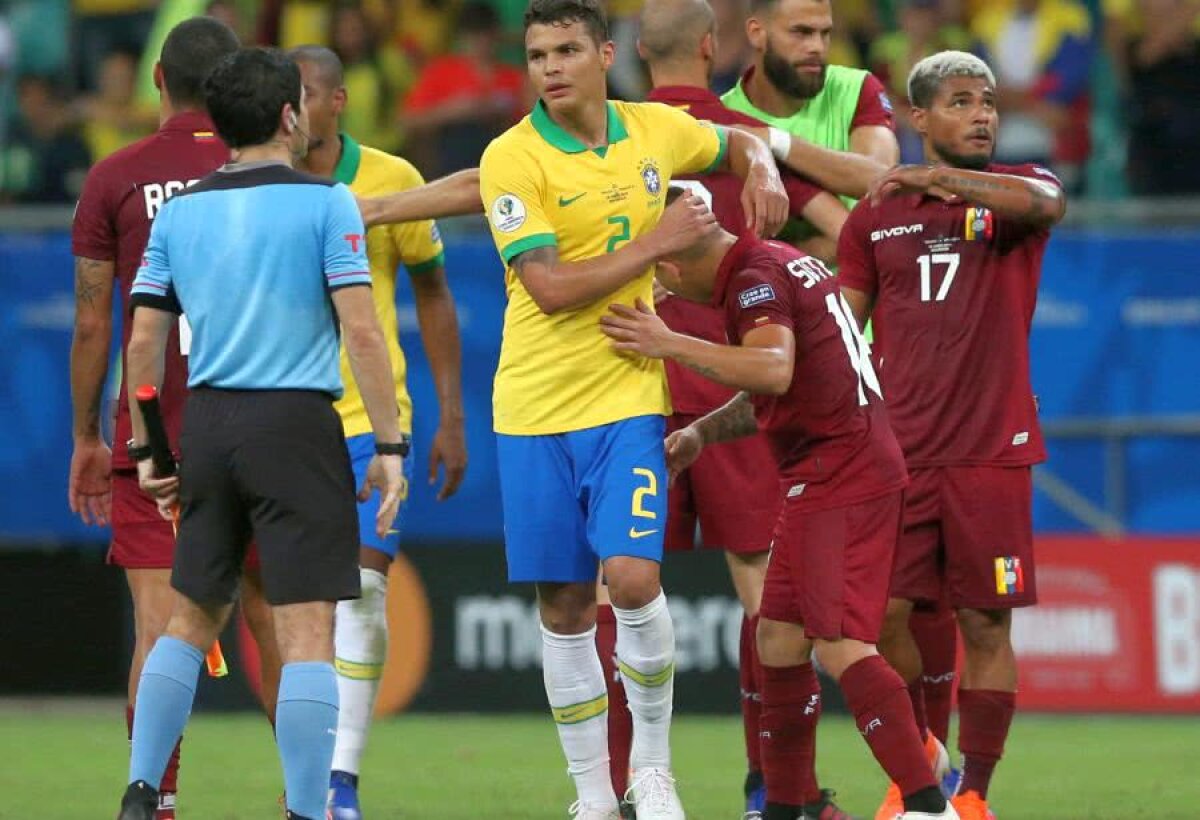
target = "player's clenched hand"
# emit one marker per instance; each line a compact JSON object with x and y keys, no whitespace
{"x":89,"y":487}
{"x":164,"y":491}
{"x":449,"y":450}
{"x":684,"y":222}
{"x":386,"y":474}
{"x":637,"y":330}
{"x":904,"y":179}
{"x":683,"y":448}
{"x":764,"y":200}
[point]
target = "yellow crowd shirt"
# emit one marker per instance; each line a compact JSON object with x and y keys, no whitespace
{"x":542,"y":187}
{"x":416,"y":245}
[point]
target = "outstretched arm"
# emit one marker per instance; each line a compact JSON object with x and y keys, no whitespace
{"x":873,"y":149}
{"x":453,"y":195}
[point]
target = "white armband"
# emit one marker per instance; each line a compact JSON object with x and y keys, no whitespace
{"x":780,"y":142}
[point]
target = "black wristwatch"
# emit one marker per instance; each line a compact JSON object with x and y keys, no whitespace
{"x":137,"y":453}
{"x":399,"y":448}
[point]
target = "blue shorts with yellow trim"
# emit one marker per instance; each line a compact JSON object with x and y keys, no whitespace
{"x":362,"y":448}
{"x":573,"y":499}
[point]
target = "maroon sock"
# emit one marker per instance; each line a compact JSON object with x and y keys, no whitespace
{"x":791,"y":707}
{"x":985,"y":716}
{"x":883,"y":712}
{"x":936,"y":634}
{"x":750,"y":677}
{"x":620,"y":721}
{"x":169,"y":784}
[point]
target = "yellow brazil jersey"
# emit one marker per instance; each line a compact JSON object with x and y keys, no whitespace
{"x":416,"y":245}
{"x":542,"y":187}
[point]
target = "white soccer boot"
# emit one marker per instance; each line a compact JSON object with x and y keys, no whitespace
{"x":586,"y":811}
{"x":653,"y":795}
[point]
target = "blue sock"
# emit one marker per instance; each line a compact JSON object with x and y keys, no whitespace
{"x":305,"y":728}
{"x":164,"y":702}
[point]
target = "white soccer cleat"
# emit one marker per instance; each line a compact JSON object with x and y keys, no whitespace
{"x":948,"y":814}
{"x":585,"y":811}
{"x":653,"y":795}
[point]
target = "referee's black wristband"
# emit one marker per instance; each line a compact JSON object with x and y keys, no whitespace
{"x":138,"y":453}
{"x":399,"y":448}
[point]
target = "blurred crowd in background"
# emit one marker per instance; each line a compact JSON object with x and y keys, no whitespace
{"x":1107,"y":92}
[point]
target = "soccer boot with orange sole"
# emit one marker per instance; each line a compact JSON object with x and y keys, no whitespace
{"x":970,"y":806}
{"x":939,"y":762}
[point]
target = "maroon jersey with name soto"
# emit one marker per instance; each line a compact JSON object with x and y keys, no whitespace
{"x":954,"y":288}
{"x":829,"y":432}
{"x":691,"y":393}
{"x":121,"y":196}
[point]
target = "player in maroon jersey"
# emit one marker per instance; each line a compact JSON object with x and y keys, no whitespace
{"x":795,"y":347}
{"x":120,"y":198}
{"x":945,"y":258}
{"x":732,"y":488}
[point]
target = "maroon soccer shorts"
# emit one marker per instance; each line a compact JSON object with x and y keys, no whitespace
{"x":732,"y":489}
{"x":141,"y":538}
{"x":829,"y":568}
{"x":970,"y":528}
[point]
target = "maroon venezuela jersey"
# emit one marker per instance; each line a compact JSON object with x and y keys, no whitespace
{"x":954,"y":290}
{"x":691,"y":393}
{"x":829,"y":432}
{"x":121,"y":196}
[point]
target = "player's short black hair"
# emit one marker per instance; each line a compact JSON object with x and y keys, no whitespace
{"x":247,"y":90}
{"x":189,"y":54}
{"x":565,"y":12}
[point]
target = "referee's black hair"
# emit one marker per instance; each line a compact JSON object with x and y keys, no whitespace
{"x":565,"y":12}
{"x":189,"y":54}
{"x":246,"y":93}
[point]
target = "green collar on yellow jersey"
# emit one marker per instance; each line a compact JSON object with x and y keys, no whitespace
{"x":557,"y":136}
{"x":347,"y":167}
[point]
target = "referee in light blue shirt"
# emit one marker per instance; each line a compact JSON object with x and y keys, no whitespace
{"x":265,"y":262}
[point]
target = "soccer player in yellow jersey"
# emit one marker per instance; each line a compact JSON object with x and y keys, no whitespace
{"x":575,"y":196}
{"x":361,"y":633}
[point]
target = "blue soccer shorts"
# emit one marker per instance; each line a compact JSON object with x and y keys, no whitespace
{"x":362,"y":448}
{"x":573,"y":499}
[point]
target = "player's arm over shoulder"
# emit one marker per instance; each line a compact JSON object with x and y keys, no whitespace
{"x":1027,"y":197}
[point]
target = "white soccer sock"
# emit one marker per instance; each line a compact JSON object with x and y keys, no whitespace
{"x":579,"y":703}
{"x":360,"y":648}
{"x":646,"y":655}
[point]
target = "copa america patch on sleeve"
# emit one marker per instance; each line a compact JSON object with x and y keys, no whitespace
{"x":755,"y":295}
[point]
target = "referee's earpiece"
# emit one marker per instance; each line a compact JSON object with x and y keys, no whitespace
{"x":295,"y":121}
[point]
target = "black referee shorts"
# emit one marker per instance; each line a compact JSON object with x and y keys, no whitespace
{"x":269,"y":466}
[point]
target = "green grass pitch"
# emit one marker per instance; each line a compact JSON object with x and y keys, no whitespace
{"x":66,"y":760}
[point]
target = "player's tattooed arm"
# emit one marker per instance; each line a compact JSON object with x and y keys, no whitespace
{"x":556,"y":285}
{"x":1035,"y":202}
{"x":90,"y":343}
{"x":733,"y":420}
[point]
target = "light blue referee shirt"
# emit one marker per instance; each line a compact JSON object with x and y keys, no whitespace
{"x":251,"y":254}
